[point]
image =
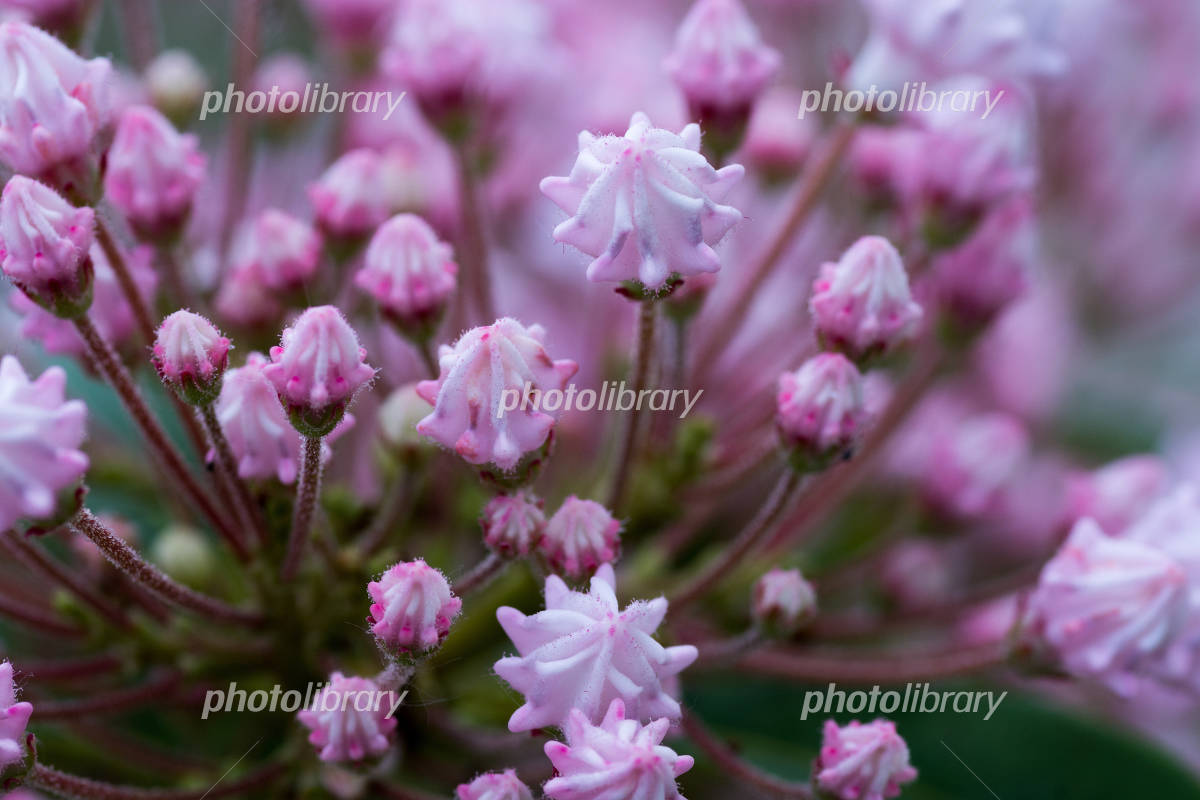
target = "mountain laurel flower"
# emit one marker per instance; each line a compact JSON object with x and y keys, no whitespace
{"x":52,"y":102}
{"x":44,"y":244}
{"x":277,"y":251}
{"x":39,"y":450}
{"x":350,"y":720}
{"x":514,"y":523}
{"x":190,"y":355}
{"x":862,"y":762}
{"x":580,"y":537}
{"x":14,"y":716}
{"x":720,"y":61}
{"x":494,"y":786}
{"x":469,"y":413}
{"x":646,"y":205}
{"x":410,"y":273}
{"x":346,"y":198}
{"x":617,"y":758}
{"x":412,"y":607}
{"x":153,"y":172}
{"x":1108,"y":608}
{"x":820,"y":411}
{"x":1119,"y":493}
{"x":317,"y":369}
{"x":583,"y":652}
{"x":861,"y":304}
{"x":784,"y":602}
{"x":973,"y":464}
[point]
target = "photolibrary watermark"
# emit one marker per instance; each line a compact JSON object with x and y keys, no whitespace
{"x":612,"y":396}
{"x":317,"y":98}
{"x":910,"y":97}
{"x":917,"y":698}
{"x":317,"y":697}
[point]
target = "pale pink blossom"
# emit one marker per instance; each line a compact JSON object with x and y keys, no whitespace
{"x":14,"y":716}
{"x":412,"y":607}
{"x":645,"y":205}
{"x":617,"y":758}
{"x":583,"y":652}
{"x":720,"y":60}
{"x":410,"y":273}
{"x":580,"y":537}
{"x":347,"y":197}
{"x":974,"y":462}
{"x":783,"y":601}
{"x":277,"y":251}
{"x":191,"y":355}
{"x":1117,"y":493}
{"x":350,"y":719}
{"x":44,"y":244}
{"x":513,"y":524}
{"x":494,"y":786}
{"x":863,"y":762}
{"x":468,"y":395}
{"x":819,"y":407}
{"x":776,"y":142}
{"x":980,"y":277}
{"x":40,"y":436}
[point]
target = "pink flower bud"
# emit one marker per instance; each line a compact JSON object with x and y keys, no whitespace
{"x":342,"y":731}
{"x":625,"y":661}
{"x":1106,"y":607}
{"x":39,"y":451}
{"x":412,"y":607}
{"x":317,"y":370}
{"x":777,"y":143}
{"x":783,"y":601}
{"x":14,"y":717}
{"x":191,"y":355}
{"x":513,"y":524}
{"x":862,"y":304}
{"x":580,"y":537}
{"x":278,"y":251}
{"x":283,"y":73}
{"x":243,"y":299}
{"x":153,"y":173}
{"x":644,"y":205}
{"x":347,"y":199}
{"x":720,"y":61}
{"x":863,"y":762}
{"x":410,"y":273}
{"x":487,"y":368}
{"x":980,"y":277}
{"x":52,"y":102}
{"x":616,"y":758}
{"x":973,"y":463}
{"x":494,"y":786}
{"x":820,"y":411}
{"x":1118,"y":493}
{"x":44,"y":244}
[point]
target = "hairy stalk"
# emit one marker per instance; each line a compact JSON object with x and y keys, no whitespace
{"x":480,"y":575}
{"x":761,"y":526}
{"x":863,"y":667}
{"x":472,"y":249}
{"x":65,"y":784}
{"x":734,"y":765}
{"x":116,"y":701}
{"x":69,"y":668}
{"x":306,"y":502}
{"x":126,"y":559}
{"x":42,"y":620}
{"x":108,"y":365}
{"x":129,"y":288}
{"x":248,"y":510}
{"x":41,"y":563}
{"x":647,"y":326}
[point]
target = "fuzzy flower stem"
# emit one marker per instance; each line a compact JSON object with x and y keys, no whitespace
{"x":39,"y":562}
{"x":759,"y":527}
{"x":120,"y":267}
{"x":108,"y":365}
{"x":116,"y":701}
{"x":306,"y":502}
{"x":813,"y":185}
{"x":480,"y":575}
{"x":39,"y":619}
{"x":227,"y":465}
{"x":66,"y":785}
{"x":472,"y":248}
{"x":67,"y":669}
{"x":126,"y":559}
{"x":868,"y":668}
{"x":723,"y":755}
{"x":647,"y":326}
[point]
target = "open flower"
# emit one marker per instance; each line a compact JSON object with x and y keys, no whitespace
{"x":350,"y":719}
{"x":584,"y":651}
{"x":618,"y":758}
{"x":646,"y":205}
{"x":14,"y":717}
{"x":863,"y":762}
{"x":412,"y":607}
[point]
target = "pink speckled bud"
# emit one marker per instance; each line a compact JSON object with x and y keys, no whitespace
{"x":783,"y":602}
{"x":44,"y":244}
{"x":494,"y":786}
{"x":1118,"y":493}
{"x":617,"y":758}
{"x":317,"y":369}
{"x":861,"y":304}
{"x":645,"y":205}
{"x":14,"y":717}
{"x":190,"y":355}
{"x":277,"y":251}
{"x":485,"y":368}
{"x":720,"y":61}
{"x":347,"y":199}
{"x":820,"y":412}
{"x":410,"y":273}
{"x":52,"y":102}
{"x":863,"y":762}
{"x":412,"y":607}
{"x":350,"y":719}
{"x":513,"y":524}
{"x":580,"y":537}
{"x":153,"y":173}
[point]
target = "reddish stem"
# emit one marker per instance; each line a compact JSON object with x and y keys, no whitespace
{"x":735,"y":766}
{"x":41,"y":620}
{"x":480,"y":575}
{"x":116,"y":701}
{"x":647,"y":324}
{"x":306,"y":502}
{"x":38,"y":561}
{"x":64,"y":784}
{"x":866,"y":668}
